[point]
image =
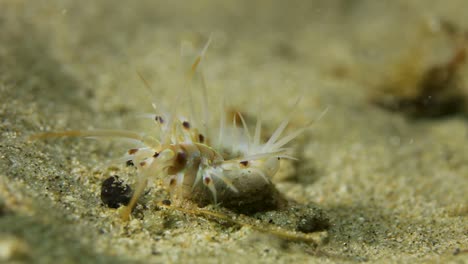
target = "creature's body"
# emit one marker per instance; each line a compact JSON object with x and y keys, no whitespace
{"x":185,"y":156}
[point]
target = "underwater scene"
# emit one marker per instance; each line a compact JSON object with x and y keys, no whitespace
{"x":234,"y":131}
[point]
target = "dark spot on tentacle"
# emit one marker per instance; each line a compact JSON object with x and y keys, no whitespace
{"x":172,"y":182}
{"x":132,"y":151}
{"x":207,"y":180}
{"x":159,"y":119}
{"x":186,"y":125}
{"x":155,"y":155}
{"x":201,"y":138}
{"x":244,"y":163}
{"x":129,"y":163}
{"x":181,"y":158}
{"x":143,"y":163}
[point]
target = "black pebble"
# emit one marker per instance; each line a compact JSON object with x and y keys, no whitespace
{"x":115,"y":192}
{"x":166,"y":202}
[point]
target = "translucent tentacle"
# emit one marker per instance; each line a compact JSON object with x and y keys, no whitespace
{"x":142,"y":181}
{"x":208,"y":181}
{"x":258,"y":131}
{"x":261,"y":173}
{"x":147,"y":140}
{"x":280,"y":128}
{"x":246,"y":130}
{"x":222,"y":124}
{"x":226,"y":181}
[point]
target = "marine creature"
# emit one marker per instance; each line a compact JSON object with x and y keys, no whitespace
{"x":189,"y":157}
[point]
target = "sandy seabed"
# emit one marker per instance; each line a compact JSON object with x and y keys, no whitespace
{"x":393,"y":187}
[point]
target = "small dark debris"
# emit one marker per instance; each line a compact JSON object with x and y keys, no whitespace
{"x":303,"y":218}
{"x":459,"y":251}
{"x":130,"y":163}
{"x":166,"y":202}
{"x":114,"y":192}
{"x":312,"y":223}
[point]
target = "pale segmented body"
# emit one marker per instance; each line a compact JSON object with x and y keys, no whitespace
{"x":186,"y":159}
{"x":183,"y":158}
